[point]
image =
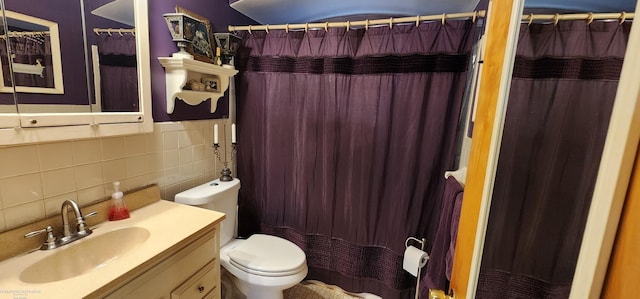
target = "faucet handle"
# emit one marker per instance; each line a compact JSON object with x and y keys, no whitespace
{"x":51,"y":239}
{"x":91,"y":214}
{"x":82,"y":226}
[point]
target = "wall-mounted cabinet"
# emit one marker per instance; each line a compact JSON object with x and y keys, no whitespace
{"x":194,"y":81}
{"x":31,"y":114}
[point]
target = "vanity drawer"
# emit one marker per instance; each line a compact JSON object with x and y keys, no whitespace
{"x":203,"y":284}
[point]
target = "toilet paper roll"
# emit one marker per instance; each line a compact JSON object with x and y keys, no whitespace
{"x":414,"y":259}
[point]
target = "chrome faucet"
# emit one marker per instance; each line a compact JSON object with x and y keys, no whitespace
{"x":64,"y":211}
{"x":68,"y":235}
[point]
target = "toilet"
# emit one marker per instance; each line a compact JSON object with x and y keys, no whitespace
{"x":262,"y":266}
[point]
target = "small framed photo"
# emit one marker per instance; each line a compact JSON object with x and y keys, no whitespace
{"x":211,"y":84}
{"x":201,"y":47}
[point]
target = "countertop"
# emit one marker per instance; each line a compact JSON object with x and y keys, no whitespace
{"x":172,"y":226}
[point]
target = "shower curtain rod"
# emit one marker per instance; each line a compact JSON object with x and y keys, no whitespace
{"x":110,"y":31}
{"x":622,"y":16}
{"x":27,"y":33}
{"x":365,"y":23}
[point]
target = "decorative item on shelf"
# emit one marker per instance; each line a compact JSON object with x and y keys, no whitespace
{"x":196,"y":85}
{"x":228,"y":44}
{"x":201,"y":47}
{"x":182,"y":28}
{"x":225,"y":174}
{"x":217,"y":60}
{"x":211,"y":84}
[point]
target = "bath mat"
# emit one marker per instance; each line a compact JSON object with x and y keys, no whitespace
{"x":308,"y":289}
{"x":311,"y":289}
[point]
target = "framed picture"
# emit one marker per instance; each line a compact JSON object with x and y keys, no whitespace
{"x":211,"y":84}
{"x":202,"y":47}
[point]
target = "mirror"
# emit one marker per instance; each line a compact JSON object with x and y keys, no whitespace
{"x":78,"y":113}
{"x":555,"y":125}
{"x":92,"y":50}
{"x":34,"y":54}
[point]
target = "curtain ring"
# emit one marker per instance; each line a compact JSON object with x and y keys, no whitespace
{"x":286,"y":28}
{"x":530,"y":19}
{"x":249,"y":29}
{"x":623,"y":17}
{"x":348,"y":25}
{"x":590,"y":18}
{"x":366,"y":24}
{"x":120,"y":31}
{"x":306,"y":27}
{"x":109,"y":31}
{"x":266,"y":28}
{"x":475,"y":15}
{"x":417,"y":20}
{"x":444,"y":16}
{"x":326,"y":26}
{"x":390,"y":23}
{"x":556,"y":18}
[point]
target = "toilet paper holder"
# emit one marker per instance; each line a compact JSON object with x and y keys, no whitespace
{"x":421,"y":242}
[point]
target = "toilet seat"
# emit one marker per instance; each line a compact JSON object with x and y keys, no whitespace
{"x":266,"y":255}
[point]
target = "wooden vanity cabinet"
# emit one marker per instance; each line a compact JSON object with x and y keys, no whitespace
{"x":191,"y":272}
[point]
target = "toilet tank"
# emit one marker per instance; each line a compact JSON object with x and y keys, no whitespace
{"x":218,"y":196}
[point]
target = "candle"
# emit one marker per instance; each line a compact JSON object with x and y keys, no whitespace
{"x":215,"y":134}
{"x":233,"y":133}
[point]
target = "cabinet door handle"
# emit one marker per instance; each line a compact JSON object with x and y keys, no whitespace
{"x":201,"y":289}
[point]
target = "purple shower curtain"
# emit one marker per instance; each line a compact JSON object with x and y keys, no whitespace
{"x":562,"y":92}
{"x":344,"y":136}
{"x":29,"y":50}
{"x":118,"y":72}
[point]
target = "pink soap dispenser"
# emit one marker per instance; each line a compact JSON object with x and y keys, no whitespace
{"x":118,"y":209}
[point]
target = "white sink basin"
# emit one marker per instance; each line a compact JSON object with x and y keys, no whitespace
{"x":84,"y":255}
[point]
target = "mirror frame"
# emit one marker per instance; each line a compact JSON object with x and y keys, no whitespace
{"x":24,"y":128}
{"x":58,"y":85}
{"x":610,"y":188}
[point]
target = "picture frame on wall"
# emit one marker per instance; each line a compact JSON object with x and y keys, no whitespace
{"x":211,"y":84}
{"x":202,"y":47}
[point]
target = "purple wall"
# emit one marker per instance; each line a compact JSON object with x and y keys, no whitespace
{"x":221,"y":15}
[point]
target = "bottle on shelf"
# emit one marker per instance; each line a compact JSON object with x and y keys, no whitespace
{"x":217,"y":60}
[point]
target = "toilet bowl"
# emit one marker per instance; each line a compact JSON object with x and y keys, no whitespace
{"x":262,"y":266}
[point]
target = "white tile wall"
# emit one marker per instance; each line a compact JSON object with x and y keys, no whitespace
{"x":36,"y":179}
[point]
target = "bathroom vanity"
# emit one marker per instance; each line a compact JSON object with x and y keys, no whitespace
{"x":164,"y":250}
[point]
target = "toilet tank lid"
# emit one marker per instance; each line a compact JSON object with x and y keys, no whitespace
{"x":206,"y":192}
{"x":268,"y":254}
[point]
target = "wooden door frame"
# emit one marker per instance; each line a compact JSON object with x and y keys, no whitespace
{"x":501,"y":33}
{"x":613,"y":176}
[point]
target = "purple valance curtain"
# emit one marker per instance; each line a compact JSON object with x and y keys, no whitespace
{"x":562,"y":93}
{"x":118,"y":72}
{"x":344,"y":136}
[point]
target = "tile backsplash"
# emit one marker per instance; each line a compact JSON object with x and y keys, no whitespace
{"x":36,"y":179}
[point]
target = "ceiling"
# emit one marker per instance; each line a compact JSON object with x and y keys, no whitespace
{"x":303,"y":11}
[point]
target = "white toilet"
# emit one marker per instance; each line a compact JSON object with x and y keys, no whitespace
{"x":263,"y":266}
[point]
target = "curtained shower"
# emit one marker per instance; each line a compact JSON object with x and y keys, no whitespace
{"x":344,"y":138}
{"x":562,"y":92}
{"x":118,"y":72}
{"x":29,"y":49}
